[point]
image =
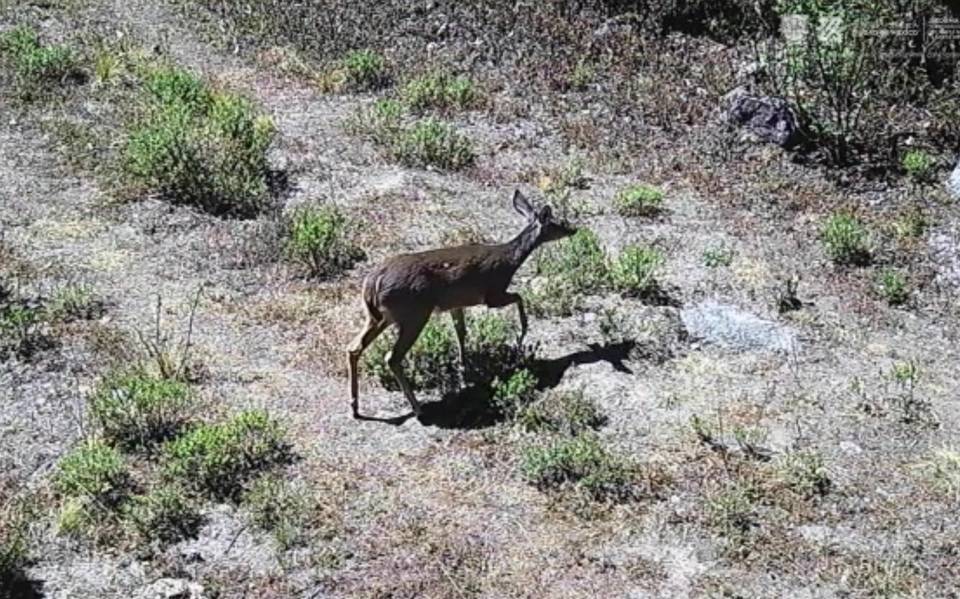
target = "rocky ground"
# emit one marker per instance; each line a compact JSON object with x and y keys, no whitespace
{"x":439,"y":510}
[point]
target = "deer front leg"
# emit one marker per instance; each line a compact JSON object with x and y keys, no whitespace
{"x":506,"y":299}
{"x":409,"y":329}
{"x":460,"y":326}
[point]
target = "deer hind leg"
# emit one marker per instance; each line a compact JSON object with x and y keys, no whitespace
{"x":371,"y":331}
{"x":460,"y":326}
{"x":409,"y":329}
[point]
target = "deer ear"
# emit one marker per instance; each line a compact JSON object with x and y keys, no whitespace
{"x":521,"y":205}
{"x":545,"y":214}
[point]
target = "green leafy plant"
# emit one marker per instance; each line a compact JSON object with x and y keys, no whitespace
{"x":38,"y":69}
{"x":74,"y":302}
{"x":279,"y":508}
{"x":638,"y":200}
{"x":364,"y":70}
{"x":845,"y":239}
{"x":892,"y":287}
{"x":568,"y":412}
{"x":218,"y":459}
{"x":732,"y":512}
{"x":165,"y":514}
{"x":918,"y":165}
{"x":804,"y":472}
{"x":635,"y":269}
{"x":320,"y":241}
{"x":137,"y":410}
{"x":440,"y":90}
{"x":430,"y":142}
{"x":511,"y":394}
{"x":580,"y":463}
{"x":20,"y":324}
{"x":199,"y":146}
{"x":93,"y":470}
{"x":716,"y":257}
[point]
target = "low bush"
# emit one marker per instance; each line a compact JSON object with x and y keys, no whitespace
{"x":579,"y":260}
{"x":845,"y":239}
{"x":200,"y":146}
{"x":219,"y":459}
{"x":919,"y":166}
{"x":433,"y":363}
{"x":358,"y":71}
{"x":37,"y":69}
{"x":320,"y":241}
{"x":14,"y":546}
{"x":804,"y":472}
{"x":892,"y":287}
{"x":580,"y":463}
{"x":512,"y":393}
{"x":93,"y":470}
{"x":568,"y":412}
{"x":634,"y":271}
{"x":638,"y":200}
{"x":74,"y":302}
{"x":440,"y":90}
{"x":278,"y":508}
{"x":423,"y":143}
{"x":166,"y":514}
{"x":20,"y":327}
{"x":137,"y":410}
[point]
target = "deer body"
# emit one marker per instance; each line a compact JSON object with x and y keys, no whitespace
{"x":406,"y":289}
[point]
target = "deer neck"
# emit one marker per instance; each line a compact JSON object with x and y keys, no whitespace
{"x":521,"y":246}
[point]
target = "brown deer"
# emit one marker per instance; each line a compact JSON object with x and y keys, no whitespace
{"x":406,"y":289}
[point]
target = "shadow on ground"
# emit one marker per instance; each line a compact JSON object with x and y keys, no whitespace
{"x":472,"y":407}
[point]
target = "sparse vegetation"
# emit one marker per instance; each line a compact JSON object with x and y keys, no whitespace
{"x":358,"y":71}
{"x":200,"y":146}
{"x":14,"y":545}
{"x":635,"y":270}
{"x":918,"y":165}
{"x":440,"y":90}
{"x":569,"y":268}
{"x":20,"y":324}
{"x":219,"y":459}
{"x":137,"y":410}
{"x":320,"y":241}
{"x":279,"y":508}
{"x":638,"y":200}
{"x":732,"y":512}
{"x":716,"y":257}
{"x":804,"y":473}
{"x":579,"y":463}
{"x":433,"y":363}
{"x":892,"y":287}
{"x":165,"y":514}
{"x":423,"y":143}
{"x":845,"y":239}
{"x":515,"y":392}
{"x":941,"y":471}
{"x":567,"y":412}
{"x":95,"y":471}
{"x":74,"y":302}
{"x":38,"y":69}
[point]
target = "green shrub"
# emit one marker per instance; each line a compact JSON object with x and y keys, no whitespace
{"x":433,"y":363}
{"x":804,"y":472}
{"x":634,"y":270}
{"x":845,"y":239}
{"x":364,"y":70}
{"x":910,"y":225}
{"x":581,"y":463}
{"x":717,"y":256}
{"x":918,"y":165}
{"x":278,"y":508}
{"x":320,"y":241}
{"x":892,"y":287}
{"x":218,"y":459}
{"x":567,"y":412}
{"x":79,"y":517}
{"x":579,"y":259}
{"x":732,"y":511}
{"x":511,"y":394}
{"x":440,"y":90}
{"x":137,"y":410}
{"x":37,"y":68}
{"x":199,"y":146}
{"x":93,"y":470}
{"x":166,"y":514}
{"x":638,"y":200}
{"x":14,"y":546}
{"x":19,"y":328}
{"x":74,"y":302}
{"x":430,"y":142}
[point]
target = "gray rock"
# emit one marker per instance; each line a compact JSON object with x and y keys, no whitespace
{"x":768,"y":118}
{"x":732,"y":328}
{"x":172,"y":588}
{"x":945,"y":254}
{"x":953,"y":183}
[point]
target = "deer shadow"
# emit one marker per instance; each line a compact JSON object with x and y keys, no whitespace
{"x":19,"y":587}
{"x":472,"y":407}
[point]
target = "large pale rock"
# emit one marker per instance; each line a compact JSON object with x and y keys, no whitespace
{"x":732,"y":328}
